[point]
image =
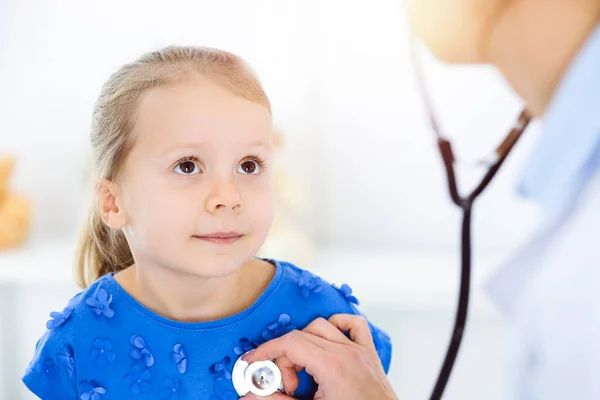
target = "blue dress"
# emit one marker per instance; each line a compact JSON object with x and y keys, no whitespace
{"x":105,"y":345}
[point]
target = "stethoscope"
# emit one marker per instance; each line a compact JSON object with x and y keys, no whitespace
{"x":465,"y":203}
{"x":263,"y":378}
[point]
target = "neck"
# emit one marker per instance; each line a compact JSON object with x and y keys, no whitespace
{"x":190,"y":298}
{"x":533,"y":42}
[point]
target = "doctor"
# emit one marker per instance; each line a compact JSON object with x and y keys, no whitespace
{"x":549,"y":52}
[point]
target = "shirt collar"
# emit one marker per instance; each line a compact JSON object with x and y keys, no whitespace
{"x":558,"y":166}
{"x":570,"y":131}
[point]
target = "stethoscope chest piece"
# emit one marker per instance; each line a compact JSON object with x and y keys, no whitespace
{"x":261,"y":378}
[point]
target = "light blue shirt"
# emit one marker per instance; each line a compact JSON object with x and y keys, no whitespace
{"x":551,"y":289}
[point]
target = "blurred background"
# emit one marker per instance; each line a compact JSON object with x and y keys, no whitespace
{"x":361,"y":189}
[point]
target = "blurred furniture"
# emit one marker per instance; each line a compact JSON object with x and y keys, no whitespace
{"x":15,"y":209}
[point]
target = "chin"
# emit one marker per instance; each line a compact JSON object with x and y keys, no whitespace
{"x":452,"y":30}
{"x":449,"y":52}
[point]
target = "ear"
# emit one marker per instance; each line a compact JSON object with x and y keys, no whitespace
{"x":110,"y":204}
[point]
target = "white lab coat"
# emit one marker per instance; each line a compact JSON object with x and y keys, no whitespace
{"x":550,"y":290}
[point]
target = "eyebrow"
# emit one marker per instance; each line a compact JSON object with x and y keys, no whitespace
{"x":260,"y":143}
{"x":195,"y":145}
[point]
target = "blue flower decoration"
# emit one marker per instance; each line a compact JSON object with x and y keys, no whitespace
{"x":141,"y":351}
{"x":221,"y":369}
{"x":179,"y":357}
{"x":244,"y":346}
{"x":279,"y":328}
{"x":100,"y":303}
{"x":172,"y":388}
{"x":91,"y":390}
{"x":346,"y":291}
{"x":58,"y":318}
{"x":101,"y":352}
{"x":48,"y":371}
{"x":309,"y":284}
{"x":138,"y":379}
{"x":68,"y":360}
{"x":223,"y":390}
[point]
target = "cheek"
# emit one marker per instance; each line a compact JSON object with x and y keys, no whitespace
{"x":260,"y":203}
{"x":156,"y":208}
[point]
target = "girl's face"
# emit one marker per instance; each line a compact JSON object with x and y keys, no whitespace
{"x":197,"y":188}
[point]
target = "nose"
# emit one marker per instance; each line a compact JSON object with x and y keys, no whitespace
{"x":224,"y":197}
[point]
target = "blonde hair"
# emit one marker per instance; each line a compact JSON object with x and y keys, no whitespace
{"x":102,"y":250}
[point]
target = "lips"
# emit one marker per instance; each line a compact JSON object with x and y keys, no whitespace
{"x":221,"y":237}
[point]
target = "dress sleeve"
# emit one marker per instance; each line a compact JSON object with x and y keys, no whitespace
{"x":383,"y":344}
{"x":51,"y":374}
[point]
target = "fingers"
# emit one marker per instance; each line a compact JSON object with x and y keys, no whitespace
{"x":356,"y":325}
{"x":320,"y":329}
{"x":276,"y":396}
{"x":326,"y":330}
{"x":289,"y":375}
{"x":293,"y":349}
{"x":313,"y":347}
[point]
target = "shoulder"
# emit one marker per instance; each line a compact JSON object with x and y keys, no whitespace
{"x":52,"y":370}
{"x":313,"y":291}
{"x":315,"y":297}
{"x":80,"y":310}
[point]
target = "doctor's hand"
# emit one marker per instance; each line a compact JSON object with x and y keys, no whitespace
{"x":343,"y":368}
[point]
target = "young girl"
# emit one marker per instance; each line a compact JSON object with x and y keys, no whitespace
{"x":173,"y":291}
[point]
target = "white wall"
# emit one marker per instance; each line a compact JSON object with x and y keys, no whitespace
{"x":342,"y":87}
{"x":383,"y":183}
{"x":58,"y":54}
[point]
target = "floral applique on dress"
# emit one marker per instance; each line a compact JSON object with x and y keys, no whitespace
{"x":59,"y":318}
{"x":309,"y":284}
{"x":101,"y":351}
{"x":346,"y":291}
{"x":91,"y":390}
{"x":68,"y":360}
{"x":100,"y":303}
{"x":179,"y":357}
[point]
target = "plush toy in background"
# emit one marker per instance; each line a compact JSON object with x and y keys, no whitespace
{"x":286,"y":241}
{"x":15,"y":210}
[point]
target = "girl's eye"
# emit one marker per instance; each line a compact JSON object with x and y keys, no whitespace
{"x":250,"y":167}
{"x":187,"y":168}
